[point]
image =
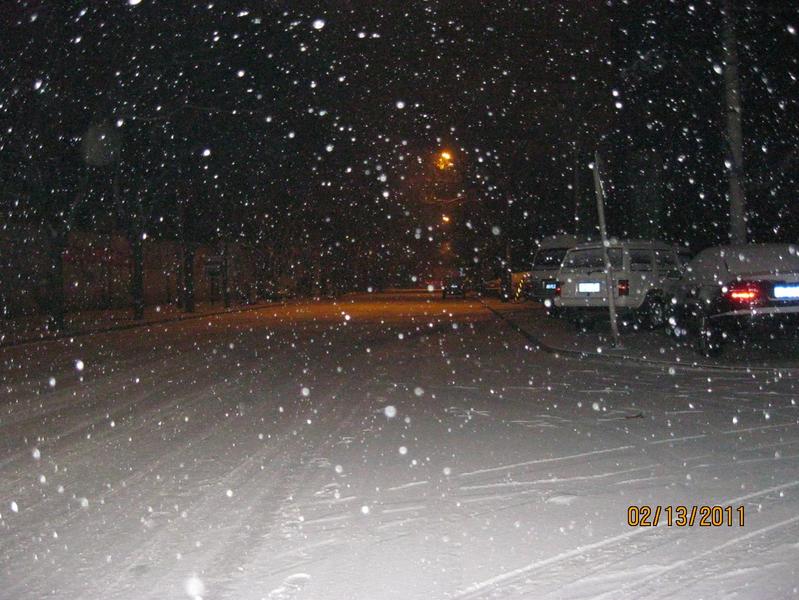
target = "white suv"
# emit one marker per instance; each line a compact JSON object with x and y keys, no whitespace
{"x":642,"y":272}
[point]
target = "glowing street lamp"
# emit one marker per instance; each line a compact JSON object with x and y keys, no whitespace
{"x":445,"y":218}
{"x":445,"y":160}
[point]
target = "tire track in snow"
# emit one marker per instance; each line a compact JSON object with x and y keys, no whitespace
{"x":96,"y":398}
{"x":60,"y":511}
{"x":497,"y":583}
{"x":543,"y":460}
{"x":62,"y":515}
{"x":275,"y":499}
{"x":293,"y":483}
{"x":694,"y":574}
{"x":78,"y":431}
{"x":153,"y":404}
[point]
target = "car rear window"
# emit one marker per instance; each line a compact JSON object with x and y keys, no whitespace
{"x":667,"y":262}
{"x":592,"y":258}
{"x":640,"y":259}
{"x":549,"y":258}
{"x":664,"y":258}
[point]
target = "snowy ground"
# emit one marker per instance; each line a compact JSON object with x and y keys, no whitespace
{"x":383,"y":447}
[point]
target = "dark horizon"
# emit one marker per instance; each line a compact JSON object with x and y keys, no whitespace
{"x":316,"y":125}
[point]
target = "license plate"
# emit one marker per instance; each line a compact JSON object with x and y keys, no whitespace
{"x":787,"y":292}
{"x":550,"y":285}
{"x":588,"y":287}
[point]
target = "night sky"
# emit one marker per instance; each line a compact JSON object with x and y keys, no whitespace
{"x":316,"y":123}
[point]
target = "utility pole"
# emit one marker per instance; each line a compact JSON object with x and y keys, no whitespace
{"x":735,"y":144}
{"x":600,"y":203}
{"x":576,"y":190}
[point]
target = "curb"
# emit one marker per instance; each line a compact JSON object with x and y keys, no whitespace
{"x":126,"y":326}
{"x":628,"y":358}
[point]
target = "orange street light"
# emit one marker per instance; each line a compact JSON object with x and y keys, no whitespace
{"x":444,"y":160}
{"x":445,"y":218}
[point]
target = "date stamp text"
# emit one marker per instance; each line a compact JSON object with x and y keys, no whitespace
{"x":685,"y":516}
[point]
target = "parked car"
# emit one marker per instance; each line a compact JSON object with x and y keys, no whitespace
{"x":730,"y":291}
{"x":641,"y":271}
{"x":542,"y":281}
{"x":454,"y":285}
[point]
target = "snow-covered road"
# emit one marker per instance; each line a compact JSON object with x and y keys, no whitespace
{"x":383,"y":447}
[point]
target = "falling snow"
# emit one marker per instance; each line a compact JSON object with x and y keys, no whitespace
{"x":270,"y":299}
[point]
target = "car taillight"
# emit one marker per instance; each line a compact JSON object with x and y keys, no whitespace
{"x":624,"y":287}
{"x":744,"y":293}
{"x":557,"y":288}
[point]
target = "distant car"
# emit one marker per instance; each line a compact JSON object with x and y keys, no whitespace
{"x":542,"y":280}
{"x":453,"y":286}
{"x":729,"y":291}
{"x":642,"y":271}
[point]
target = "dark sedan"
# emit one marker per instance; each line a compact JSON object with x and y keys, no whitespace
{"x":731,"y":291}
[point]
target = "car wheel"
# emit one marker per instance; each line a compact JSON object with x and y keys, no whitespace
{"x":653,"y":312}
{"x":671,"y":316}
{"x":710,"y":339}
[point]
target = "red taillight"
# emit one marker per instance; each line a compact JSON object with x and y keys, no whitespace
{"x":744,"y":293}
{"x":557,"y":288}
{"x":624,"y":287}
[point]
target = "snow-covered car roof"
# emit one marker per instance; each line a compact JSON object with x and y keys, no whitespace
{"x":653,"y":244}
{"x":720,"y":263}
{"x":560,"y":241}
